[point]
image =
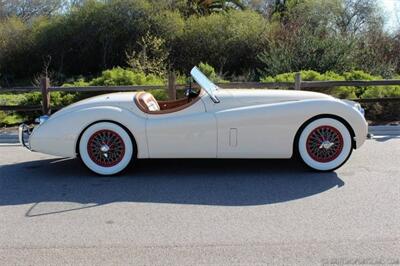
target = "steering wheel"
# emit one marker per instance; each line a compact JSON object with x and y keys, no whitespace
{"x":190,"y":93}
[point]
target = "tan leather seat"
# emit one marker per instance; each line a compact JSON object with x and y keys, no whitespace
{"x":147,"y":102}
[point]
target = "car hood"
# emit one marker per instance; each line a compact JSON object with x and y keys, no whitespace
{"x":239,"y":97}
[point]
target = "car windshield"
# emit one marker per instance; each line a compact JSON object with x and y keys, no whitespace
{"x":205,"y":83}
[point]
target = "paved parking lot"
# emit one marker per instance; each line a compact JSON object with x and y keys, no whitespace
{"x":54,"y":211}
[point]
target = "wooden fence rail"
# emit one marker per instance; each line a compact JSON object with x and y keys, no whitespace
{"x":46,"y":89}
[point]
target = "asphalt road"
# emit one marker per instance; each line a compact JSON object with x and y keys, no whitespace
{"x":241,"y":212}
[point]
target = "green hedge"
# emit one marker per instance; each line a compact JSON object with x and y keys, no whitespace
{"x":345,"y":92}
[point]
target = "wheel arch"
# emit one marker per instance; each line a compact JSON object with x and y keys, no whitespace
{"x":301,"y":128}
{"x":134,"y":142}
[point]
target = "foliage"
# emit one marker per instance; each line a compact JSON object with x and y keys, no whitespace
{"x":3,"y":115}
{"x":209,"y":71}
{"x":7,"y":118}
{"x":199,"y":7}
{"x":228,"y":41}
{"x":90,"y":36}
{"x":88,"y":39}
{"x":14,"y":46}
{"x":120,"y":76}
{"x":206,"y":7}
{"x":303,"y":37}
{"x":381,"y":92}
{"x":27,"y":10}
{"x":12,"y":119}
{"x":305,"y":50}
{"x":117,"y":77}
{"x":152,"y":58}
{"x":80,"y":82}
{"x":341,"y":92}
{"x":332,"y":35}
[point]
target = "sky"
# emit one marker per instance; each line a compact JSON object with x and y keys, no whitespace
{"x":392,"y":13}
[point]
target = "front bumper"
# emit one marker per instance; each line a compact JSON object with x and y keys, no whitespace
{"x":24,"y":132}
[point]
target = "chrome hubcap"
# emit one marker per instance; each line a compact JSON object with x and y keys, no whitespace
{"x":106,"y":148}
{"x":324,"y":144}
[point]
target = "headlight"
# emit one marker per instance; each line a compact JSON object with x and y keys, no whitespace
{"x":355,"y":105}
{"x":41,"y":119}
{"x":359,"y":108}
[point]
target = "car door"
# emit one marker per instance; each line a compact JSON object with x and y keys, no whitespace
{"x":258,"y":131}
{"x":188,"y":133}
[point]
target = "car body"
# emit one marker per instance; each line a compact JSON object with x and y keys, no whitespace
{"x":214,"y":123}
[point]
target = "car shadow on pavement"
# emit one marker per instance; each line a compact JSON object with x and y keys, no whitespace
{"x":204,"y":182}
{"x":385,"y":138}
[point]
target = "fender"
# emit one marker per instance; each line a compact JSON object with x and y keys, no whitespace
{"x":269,"y":130}
{"x":60,"y":136}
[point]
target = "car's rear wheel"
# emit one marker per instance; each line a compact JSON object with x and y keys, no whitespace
{"x":106,"y":148}
{"x":325,"y":144}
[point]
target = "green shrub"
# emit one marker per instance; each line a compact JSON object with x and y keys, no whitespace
{"x":12,"y":98}
{"x":2,"y":116}
{"x":159,"y":94}
{"x":209,"y":71}
{"x":360,"y":75}
{"x":381,"y":92}
{"x":119,"y":76}
{"x":308,"y":75}
{"x":11,"y":120}
{"x":77,"y":83}
{"x":344,"y":92}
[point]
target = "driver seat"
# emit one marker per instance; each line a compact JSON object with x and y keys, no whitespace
{"x":147,"y":102}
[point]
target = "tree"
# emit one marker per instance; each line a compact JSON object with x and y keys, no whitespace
{"x":355,"y":16}
{"x":206,"y":7}
{"x":14,"y":48}
{"x":27,"y":9}
{"x":228,"y":41}
{"x":152,"y":57}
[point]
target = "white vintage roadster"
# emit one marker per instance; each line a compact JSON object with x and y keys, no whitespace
{"x":109,"y":132}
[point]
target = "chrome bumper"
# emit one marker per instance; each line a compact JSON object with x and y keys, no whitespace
{"x":24,"y":131}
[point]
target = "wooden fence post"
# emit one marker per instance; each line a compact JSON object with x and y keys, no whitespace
{"x":45,"y":85}
{"x":171,"y":85}
{"x":297,"y":84}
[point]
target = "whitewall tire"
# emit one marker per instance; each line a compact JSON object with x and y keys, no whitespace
{"x":325,"y":144}
{"x":106,"y":148}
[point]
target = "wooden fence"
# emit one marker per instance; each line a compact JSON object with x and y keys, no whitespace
{"x":45,"y":88}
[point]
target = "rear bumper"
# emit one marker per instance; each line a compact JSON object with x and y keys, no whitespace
{"x":24,"y":132}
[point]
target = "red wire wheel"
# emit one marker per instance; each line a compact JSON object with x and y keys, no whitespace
{"x":106,"y":148}
{"x":324,"y":144}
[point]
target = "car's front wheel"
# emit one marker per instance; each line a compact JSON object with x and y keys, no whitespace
{"x":106,"y":148}
{"x":325,"y":144}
